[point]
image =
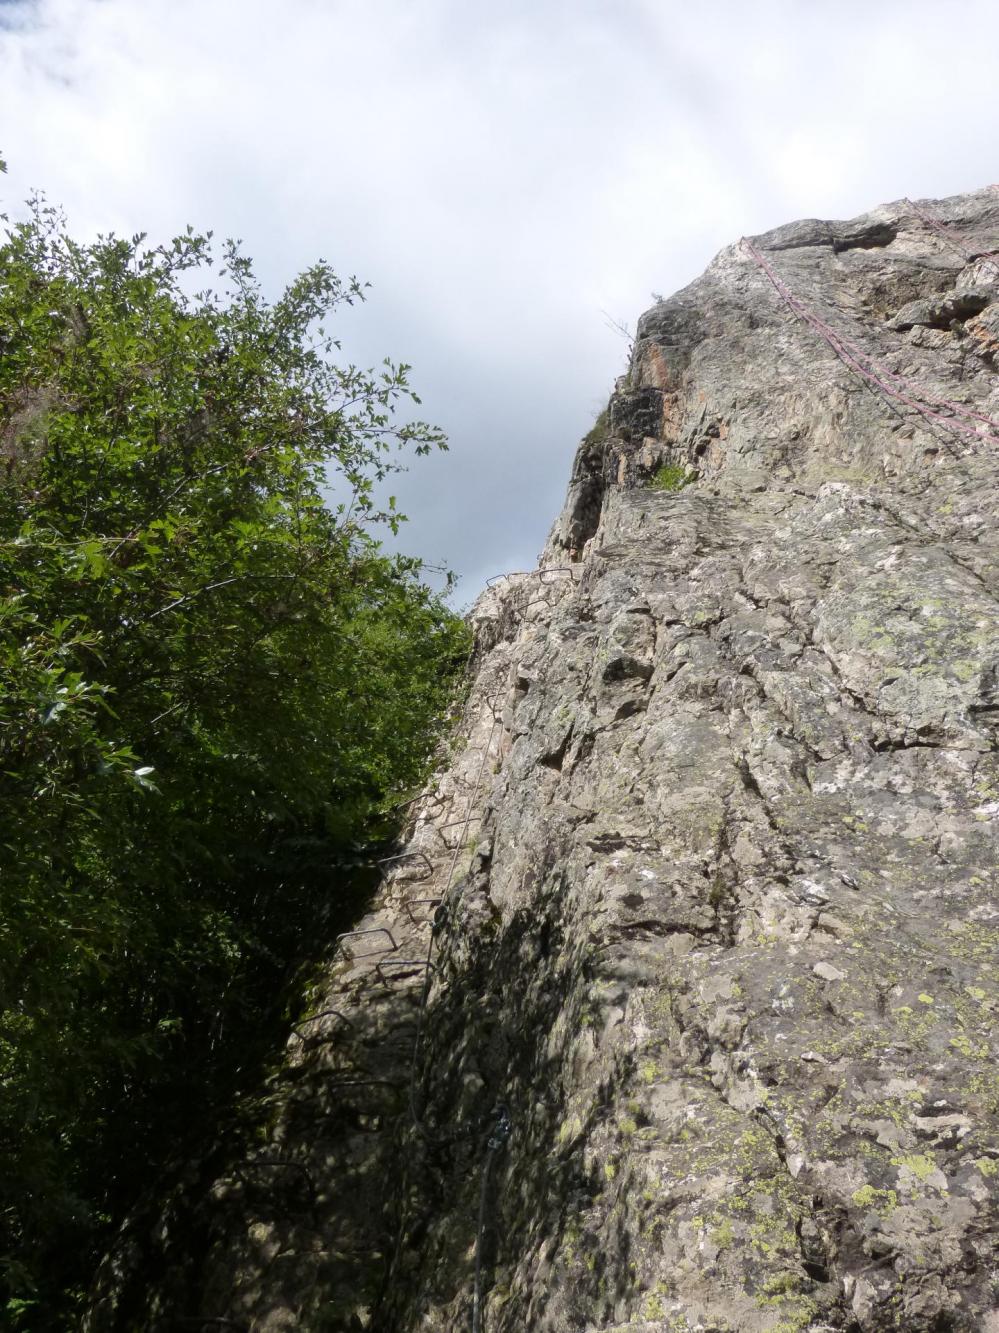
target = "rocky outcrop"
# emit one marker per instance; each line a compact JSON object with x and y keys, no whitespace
{"x":677,"y":1011}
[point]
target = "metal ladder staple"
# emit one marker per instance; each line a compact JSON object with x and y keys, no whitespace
{"x":391,"y":947}
{"x":414,"y":1113}
{"x":533,"y":574}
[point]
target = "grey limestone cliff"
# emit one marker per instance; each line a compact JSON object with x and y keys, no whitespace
{"x":680,"y":1008}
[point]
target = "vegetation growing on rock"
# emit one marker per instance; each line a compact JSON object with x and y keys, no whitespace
{"x":669,"y":477}
{"x":214,"y":685}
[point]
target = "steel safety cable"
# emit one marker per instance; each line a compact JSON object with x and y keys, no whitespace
{"x":840,"y":345}
{"x":876,"y":368}
{"x":925,"y":404}
{"x":951,"y":238}
{"x":424,"y":998}
{"x":414,"y":1114}
{"x":872,"y":369}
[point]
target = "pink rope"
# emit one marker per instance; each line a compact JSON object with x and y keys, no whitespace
{"x":909,"y":385}
{"x":951,"y":238}
{"x":912,"y":396}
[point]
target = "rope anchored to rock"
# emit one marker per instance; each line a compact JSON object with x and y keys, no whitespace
{"x":955,"y":417}
{"x":955,"y":241}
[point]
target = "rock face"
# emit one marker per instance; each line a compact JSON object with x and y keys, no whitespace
{"x":708,"y":1036}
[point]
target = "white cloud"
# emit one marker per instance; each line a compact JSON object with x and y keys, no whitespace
{"x":501,"y":173}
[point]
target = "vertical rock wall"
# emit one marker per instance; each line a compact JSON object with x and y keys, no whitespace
{"x":680,"y":1009}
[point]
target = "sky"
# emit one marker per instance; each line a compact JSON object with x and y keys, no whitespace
{"x":513,"y":178}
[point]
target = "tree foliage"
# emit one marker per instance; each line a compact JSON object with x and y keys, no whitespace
{"x":212,"y":682}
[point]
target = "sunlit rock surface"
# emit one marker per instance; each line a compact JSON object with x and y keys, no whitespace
{"x":717,"y":850}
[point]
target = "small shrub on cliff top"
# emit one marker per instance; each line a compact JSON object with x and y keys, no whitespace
{"x":670,"y":477}
{"x":598,"y":431}
{"x":213,"y":680}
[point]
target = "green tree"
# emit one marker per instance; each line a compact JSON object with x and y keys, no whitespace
{"x":212,"y":682}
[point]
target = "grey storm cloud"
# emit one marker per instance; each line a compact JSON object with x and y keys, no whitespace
{"x":501,"y":174}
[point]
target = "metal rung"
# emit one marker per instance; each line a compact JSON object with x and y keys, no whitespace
{"x":531,"y":574}
{"x":402,"y":962}
{"x":457,"y":823}
{"x":280,"y":1164}
{"x":332,"y":1084}
{"x":405,"y":856}
{"x":203,"y":1321}
{"x":404,"y":805}
{"x":314,"y":1018}
{"x":420,"y":902}
{"x":372,"y":953}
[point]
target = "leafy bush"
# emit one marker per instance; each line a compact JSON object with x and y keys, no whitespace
{"x":670,"y":477}
{"x":213,"y":683}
